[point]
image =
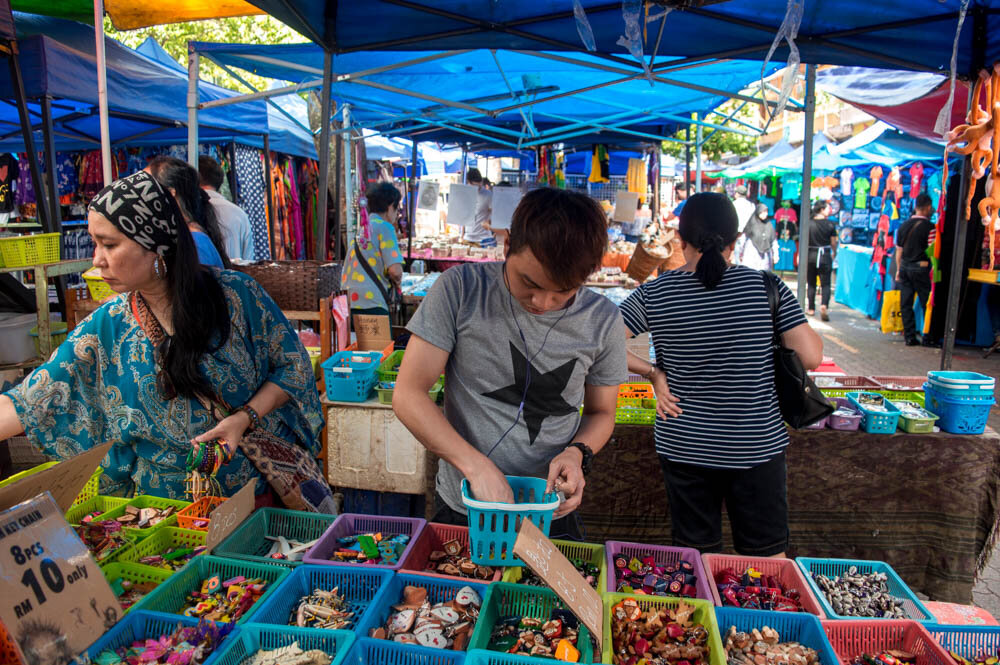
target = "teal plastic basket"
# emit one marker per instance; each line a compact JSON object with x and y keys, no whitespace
{"x":367,"y":651}
{"x":361,"y":585}
{"x":493,"y":526}
{"x":876,"y":422}
{"x":170,"y":596}
{"x":915,"y":610}
{"x":253,"y":638}
{"x":142,"y":625}
{"x":966,"y":641}
{"x":351,"y":375}
{"x":249,"y":542}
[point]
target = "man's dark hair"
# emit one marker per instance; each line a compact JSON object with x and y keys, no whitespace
{"x":210,"y":172}
{"x":923,"y":201}
{"x":382,"y":196}
{"x":819,"y":206}
{"x":473,"y":176}
{"x":566,"y":231}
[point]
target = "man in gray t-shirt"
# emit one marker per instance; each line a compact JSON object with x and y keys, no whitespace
{"x":522,"y":347}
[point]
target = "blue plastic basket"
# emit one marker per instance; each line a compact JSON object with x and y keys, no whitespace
{"x":791,"y":626}
{"x":876,"y":422}
{"x":362,"y":586}
{"x":961,"y":384}
{"x":438,"y":591}
{"x":914,"y":609}
{"x":966,"y":641}
{"x":140,"y":625}
{"x":351,"y":375}
{"x":493,"y":526}
{"x":367,"y":651}
{"x":958,"y":414}
{"x":334,"y":643}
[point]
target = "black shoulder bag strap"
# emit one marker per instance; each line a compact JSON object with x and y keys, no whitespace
{"x":389,"y":302}
{"x":772,"y":301}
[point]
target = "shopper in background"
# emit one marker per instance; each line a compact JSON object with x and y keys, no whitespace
{"x":181,"y":180}
{"x":712,"y":332}
{"x":233,"y":221}
{"x":745,"y":208}
{"x":374,"y":266}
{"x":822,"y":250}
{"x":913,"y":267}
{"x":757,"y":247}
{"x":479,"y":233}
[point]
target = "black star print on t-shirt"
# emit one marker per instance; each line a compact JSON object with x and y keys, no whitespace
{"x":544,"y":396}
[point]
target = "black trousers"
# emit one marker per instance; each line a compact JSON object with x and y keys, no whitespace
{"x":913,"y":281}
{"x":823,"y":271}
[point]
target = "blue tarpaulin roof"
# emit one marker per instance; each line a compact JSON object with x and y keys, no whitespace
{"x":57,"y":59}
{"x":856,"y":32}
{"x":485,"y":83}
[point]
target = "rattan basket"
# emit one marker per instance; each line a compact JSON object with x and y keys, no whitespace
{"x":295,"y":285}
{"x":645,"y":260}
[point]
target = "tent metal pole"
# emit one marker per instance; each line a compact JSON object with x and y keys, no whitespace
{"x":322,"y":237}
{"x":687,"y":160}
{"x":348,"y":181}
{"x":698,"y":146}
{"x":14,"y":65}
{"x":102,"y":90}
{"x":263,"y":94}
{"x":338,"y":254}
{"x":270,"y":103}
{"x":656,"y":183}
{"x":420,"y":95}
{"x":192,"y":105}
{"x":48,"y":139}
{"x":805,"y":209}
{"x":269,"y":213}
{"x":413,"y":204}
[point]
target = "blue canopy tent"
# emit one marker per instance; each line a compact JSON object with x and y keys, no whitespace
{"x":782,"y":147}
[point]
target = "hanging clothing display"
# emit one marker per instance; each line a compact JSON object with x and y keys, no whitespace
{"x":9,"y":172}
{"x":876,"y":177}
{"x":861,"y":186}
{"x":635,"y":177}
{"x":846,"y":176}
{"x":916,"y":179}
{"x":894,"y":185}
{"x":250,"y":176}
{"x":791,"y":186}
{"x":600,"y":167}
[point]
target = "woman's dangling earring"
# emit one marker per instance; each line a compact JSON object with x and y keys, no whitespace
{"x":156,"y":267}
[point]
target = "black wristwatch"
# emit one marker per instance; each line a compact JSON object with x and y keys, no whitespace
{"x":588,"y":455}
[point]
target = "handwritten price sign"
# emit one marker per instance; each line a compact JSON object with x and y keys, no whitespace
{"x":54,"y":600}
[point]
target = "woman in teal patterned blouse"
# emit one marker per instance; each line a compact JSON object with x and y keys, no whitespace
{"x":139,"y":371}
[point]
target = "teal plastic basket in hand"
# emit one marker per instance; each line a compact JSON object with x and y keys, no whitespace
{"x":493,"y":526}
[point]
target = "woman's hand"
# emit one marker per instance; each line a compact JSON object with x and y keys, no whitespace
{"x":666,"y":403}
{"x":229,"y":432}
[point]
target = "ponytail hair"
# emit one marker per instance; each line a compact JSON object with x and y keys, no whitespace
{"x":709,"y":223}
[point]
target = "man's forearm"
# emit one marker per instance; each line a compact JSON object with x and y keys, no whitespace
{"x":428,"y":425}
{"x":595,"y":429}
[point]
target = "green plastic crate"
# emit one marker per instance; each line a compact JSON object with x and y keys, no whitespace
{"x":251,"y":639}
{"x":914,"y":425}
{"x":635,"y":416}
{"x":98,"y":503}
{"x":903,"y":396}
{"x":135,"y":573}
{"x":160,"y":541}
{"x":588,"y":552}
{"x":704,"y":614}
{"x":146,"y":501}
{"x":503,"y":599}
{"x":89,"y":490}
{"x":249,"y":541}
{"x":389,"y":369}
{"x":385,"y":394}
{"x":169,"y":596}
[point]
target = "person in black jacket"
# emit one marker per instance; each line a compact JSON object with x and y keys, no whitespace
{"x":913,"y":268}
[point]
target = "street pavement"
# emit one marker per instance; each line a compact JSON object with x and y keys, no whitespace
{"x":858,"y":345}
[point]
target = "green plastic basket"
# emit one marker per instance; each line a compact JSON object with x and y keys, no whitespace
{"x":24,"y":474}
{"x":704,"y":614}
{"x":389,"y":369}
{"x":251,"y":639}
{"x":94,"y":504}
{"x":385,"y":394}
{"x":635,"y":416}
{"x":169,"y":596}
{"x":30,"y":250}
{"x":89,"y":490}
{"x":904,"y":396}
{"x":249,"y":541}
{"x":503,"y":599}
{"x":135,"y":573}
{"x":159,"y":542}
{"x":914,"y":425}
{"x":146,"y":501}
{"x":588,"y":552}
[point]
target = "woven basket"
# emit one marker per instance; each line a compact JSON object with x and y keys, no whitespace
{"x":295,"y":285}
{"x":644,"y":261}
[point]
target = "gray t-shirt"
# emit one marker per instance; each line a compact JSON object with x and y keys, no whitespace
{"x":470,"y":314}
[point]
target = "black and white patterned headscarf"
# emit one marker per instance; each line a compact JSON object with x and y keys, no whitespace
{"x":140,"y":208}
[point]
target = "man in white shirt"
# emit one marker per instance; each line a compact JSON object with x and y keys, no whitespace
{"x":744,"y":206}
{"x":236,"y":232}
{"x":484,"y":208}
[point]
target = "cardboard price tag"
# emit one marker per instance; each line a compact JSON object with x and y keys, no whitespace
{"x":546,"y":561}
{"x":229,"y":515}
{"x":54,"y":600}
{"x":374,"y":331}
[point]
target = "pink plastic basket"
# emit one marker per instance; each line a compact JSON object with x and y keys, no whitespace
{"x":663,"y":555}
{"x":845,"y":423}
{"x":350,"y":524}
{"x":433,"y":538}
{"x":786,"y":570}
{"x":850,"y":639}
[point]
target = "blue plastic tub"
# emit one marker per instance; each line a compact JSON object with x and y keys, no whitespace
{"x":367,"y":651}
{"x":876,"y":422}
{"x":361,"y":585}
{"x":439,"y":590}
{"x":351,"y":375}
{"x":966,"y":641}
{"x":915,"y":610}
{"x":966,"y":383}
{"x":141,"y":624}
{"x":791,"y":626}
{"x":958,"y":414}
{"x":334,"y":643}
{"x":493,"y":526}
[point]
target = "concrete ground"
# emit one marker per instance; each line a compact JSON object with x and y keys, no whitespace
{"x":857,"y":344}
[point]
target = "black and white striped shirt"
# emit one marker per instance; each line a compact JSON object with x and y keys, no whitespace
{"x":715,"y":347}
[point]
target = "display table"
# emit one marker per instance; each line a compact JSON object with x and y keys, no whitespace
{"x":925,"y":503}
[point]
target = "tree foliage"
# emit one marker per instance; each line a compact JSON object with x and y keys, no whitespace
{"x":720,"y":143}
{"x":174,"y":37}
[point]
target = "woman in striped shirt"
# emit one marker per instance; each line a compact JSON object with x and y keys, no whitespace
{"x":725,"y":440}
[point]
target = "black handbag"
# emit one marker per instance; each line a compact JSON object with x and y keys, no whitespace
{"x":801,"y":402}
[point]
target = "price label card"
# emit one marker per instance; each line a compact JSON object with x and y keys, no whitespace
{"x":546,"y":561}
{"x":54,"y":600}
{"x":230,"y":515}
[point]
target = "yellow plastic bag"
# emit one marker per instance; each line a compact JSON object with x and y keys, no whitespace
{"x":892,"y":318}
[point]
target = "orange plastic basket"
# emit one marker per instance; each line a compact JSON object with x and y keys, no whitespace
{"x":196,"y":516}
